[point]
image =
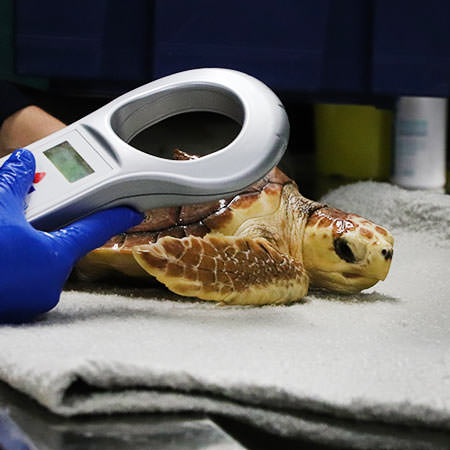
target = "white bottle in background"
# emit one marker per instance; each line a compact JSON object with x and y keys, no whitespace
{"x":420,"y":143}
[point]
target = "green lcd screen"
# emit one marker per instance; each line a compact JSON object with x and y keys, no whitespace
{"x":67,"y":160}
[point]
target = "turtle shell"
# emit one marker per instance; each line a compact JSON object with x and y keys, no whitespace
{"x":249,"y":248}
{"x":221,"y":216}
{"x":201,"y":218}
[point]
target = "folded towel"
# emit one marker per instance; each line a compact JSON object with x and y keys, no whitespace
{"x":331,"y":368}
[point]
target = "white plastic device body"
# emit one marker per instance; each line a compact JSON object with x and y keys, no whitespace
{"x":90,"y":166}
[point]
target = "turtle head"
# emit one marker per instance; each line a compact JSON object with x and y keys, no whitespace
{"x":344,"y":252}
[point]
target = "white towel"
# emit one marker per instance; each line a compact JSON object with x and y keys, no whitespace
{"x":331,"y":368}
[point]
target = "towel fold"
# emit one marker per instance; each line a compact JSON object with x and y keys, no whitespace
{"x":331,"y":368}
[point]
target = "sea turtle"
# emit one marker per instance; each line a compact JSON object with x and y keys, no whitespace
{"x":265,"y":245}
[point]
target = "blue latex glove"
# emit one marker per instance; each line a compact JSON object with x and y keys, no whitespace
{"x":34,"y":265}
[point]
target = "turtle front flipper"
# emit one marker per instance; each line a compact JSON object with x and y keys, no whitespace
{"x":232,"y":270}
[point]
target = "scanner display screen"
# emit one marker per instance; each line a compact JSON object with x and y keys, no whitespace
{"x":69,"y":162}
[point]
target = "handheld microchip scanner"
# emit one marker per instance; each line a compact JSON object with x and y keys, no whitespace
{"x":90,"y":166}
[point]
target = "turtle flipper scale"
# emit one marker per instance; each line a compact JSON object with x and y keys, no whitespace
{"x":227,"y":269}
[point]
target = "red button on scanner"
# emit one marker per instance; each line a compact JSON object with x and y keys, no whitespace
{"x":38,"y":177}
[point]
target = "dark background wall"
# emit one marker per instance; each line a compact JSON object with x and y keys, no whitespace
{"x":75,"y":56}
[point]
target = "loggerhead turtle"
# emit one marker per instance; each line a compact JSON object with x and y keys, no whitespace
{"x":265,"y":245}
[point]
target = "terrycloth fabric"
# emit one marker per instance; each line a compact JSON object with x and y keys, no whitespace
{"x":336,"y":369}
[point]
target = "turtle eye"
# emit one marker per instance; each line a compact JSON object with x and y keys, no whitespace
{"x":343,"y":250}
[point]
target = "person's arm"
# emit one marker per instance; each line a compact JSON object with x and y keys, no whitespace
{"x":26,"y":126}
{"x":21,"y":122}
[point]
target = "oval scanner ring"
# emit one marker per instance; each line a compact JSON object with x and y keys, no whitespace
{"x":89,"y":165}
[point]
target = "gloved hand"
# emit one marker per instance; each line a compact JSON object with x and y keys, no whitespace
{"x":34,"y":265}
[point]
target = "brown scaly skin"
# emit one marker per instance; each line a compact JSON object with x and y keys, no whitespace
{"x":256,"y":262}
{"x":262,"y":248}
{"x":341,"y":252}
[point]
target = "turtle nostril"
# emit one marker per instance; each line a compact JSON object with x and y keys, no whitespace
{"x":387,"y":253}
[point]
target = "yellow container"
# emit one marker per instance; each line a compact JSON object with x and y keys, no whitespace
{"x":353,"y":141}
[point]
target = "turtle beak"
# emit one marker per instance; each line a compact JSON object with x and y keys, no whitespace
{"x":381,"y":257}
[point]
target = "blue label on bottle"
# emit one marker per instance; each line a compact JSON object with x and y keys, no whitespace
{"x":412,"y":127}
